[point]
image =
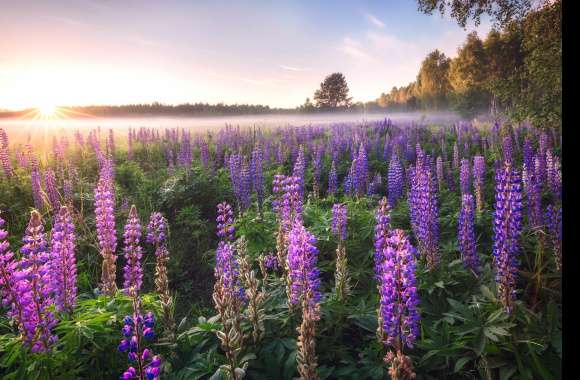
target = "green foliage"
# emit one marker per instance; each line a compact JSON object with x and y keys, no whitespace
{"x":87,"y":345}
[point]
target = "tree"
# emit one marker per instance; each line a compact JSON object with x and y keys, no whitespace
{"x":333,"y":92}
{"x":467,"y":76}
{"x":502,"y":12}
{"x":432,"y":84}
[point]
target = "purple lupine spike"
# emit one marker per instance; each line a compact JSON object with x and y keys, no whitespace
{"x":339,"y":218}
{"x":507,"y":227}
{"x":204,"y":154}
{"x":36,"y":290}
{"x":300,"y":165}
{"x":258,"y":175}
{"x":395,"y":184}
{"x":303,"y":273}
{"x":528,"y":153}
{"x":332,"y":179}
{"x":399,"y":298}
{"x":156,"y":229}
{"x":291,"y":201}
{"x":106,"y":232}
{"x":278,"y":190}
{"x":137,"y":329}
{"x":465,"y":177}
{"x":554,"y":229}
{"x":225,"y":222}
{"x":478,"y":179}
{"x":51,"y":189}
{"x":14,"y":296}
{"x":361,"y":172}
{"x":382,"y":229}
{"x":36,"y":183}
{"x":507,"y":148}
{"x":133,"y":273}
{"x":466,"y":233}
{"x":554,"y":174}
{"x":424,"y":210}
{"x":350,"y":183}
{"x":63,"y":261}
{"x":5,"y":154}
{"x":271,"y":262}
{"x":227,"y":273}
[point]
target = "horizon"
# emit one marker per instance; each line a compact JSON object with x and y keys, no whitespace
{"x":97,"y":53}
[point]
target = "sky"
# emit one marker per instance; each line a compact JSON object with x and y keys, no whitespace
{"x":83,"y":52}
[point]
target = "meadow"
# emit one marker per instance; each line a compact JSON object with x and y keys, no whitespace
{"x":352,"y":250}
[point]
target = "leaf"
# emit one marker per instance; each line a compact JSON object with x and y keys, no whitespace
{"x":487,"y":293}
{"x":461,"y":363}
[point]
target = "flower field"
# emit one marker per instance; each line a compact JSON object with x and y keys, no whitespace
{"x":346,"y":251}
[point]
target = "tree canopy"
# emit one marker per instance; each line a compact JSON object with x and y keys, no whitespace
{"x":333,"y":92}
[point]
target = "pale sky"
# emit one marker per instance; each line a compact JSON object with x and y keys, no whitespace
{"x":260,"y":52}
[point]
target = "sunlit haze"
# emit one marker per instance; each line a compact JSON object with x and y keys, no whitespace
{"x":106,"y":52}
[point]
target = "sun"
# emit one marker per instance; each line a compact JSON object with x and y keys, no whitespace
{"x":47,"y":111}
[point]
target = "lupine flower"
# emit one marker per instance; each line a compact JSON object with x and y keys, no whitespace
{"x":399,"y":297}
{"x":554,"y":229}
{"x":507,"y":228}
{"x":106,"y":232}
{"x":299,"y":165}
{"x":157,"y":235}
{"x":278,"y":190}
{"x":227,"y":270}
{"x":36,"y":183}
{"x":5,"y":154}
{"x":204,"y":154}
{"x":361,"y":172}
{"x":137,"y":330}
{"x":51,"y":189}
{"x":305,"y":291}
{"x":291,"y":201}
{"x":228,"y":297}
{"x":478,"y":178}
{"x":14,"y":295}
{"x":304,"y":275}
{"x":455,"y":156}
{"x":395,"y":183}
{"x":332,"y":179}
{"x":225,"y":222}
{"x":133,"y":273}
{"x":398,"y":315}
{"x":245,"y":190}
{"x":271,"y":262}
{"x":339,"y":217}
{"x":466,"y":233}
{"x":35,"y":288}
{"x":63,"y":261}
{"x":465,"y":177}
{"x":424,"y":210}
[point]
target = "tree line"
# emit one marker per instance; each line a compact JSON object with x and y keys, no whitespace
{"x":516,"y":71}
